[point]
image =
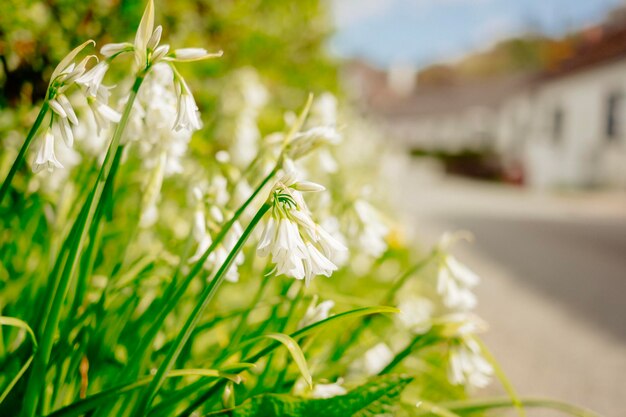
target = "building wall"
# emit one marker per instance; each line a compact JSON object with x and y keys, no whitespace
{"x":556,"y":128}
{"x":568,"y":143}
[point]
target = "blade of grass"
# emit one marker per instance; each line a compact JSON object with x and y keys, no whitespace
{"x":103,"y":397}
{"x":434,"y":409}
{"x":305,"y":331}
{"x":420,"y":341}
{"x":40,"y":364}
{"x":14,"y":322}
{"x":205,"y":298}
{"x":388,"y":299}
{"x":295,"y":352}
{"x":22,"y":153}
{"x":172,"y":301}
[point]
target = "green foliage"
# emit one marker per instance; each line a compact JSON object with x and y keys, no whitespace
{"x":377,"y":397}
{"x":283,"y":40}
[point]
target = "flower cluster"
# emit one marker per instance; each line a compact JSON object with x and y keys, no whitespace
{"x":148,"y":53}
{"x":63,"y":118}
{"x":298,"y":246}
{"x":204,"y":240}
{"x":455,"y":280}
{"x":466,"y":363}
{"x":180,"y":113}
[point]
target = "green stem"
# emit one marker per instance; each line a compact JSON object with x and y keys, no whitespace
{"x":172,"y":300}
{"x":241,"y":326}
{"x":305,"y":331}
{"x":508,"y":386}
{"x":205,"y":298}
{"x":418,"y":342}
{"x":20,"y":156}
{"x":37,"y":377}
{"x":388,"y":299}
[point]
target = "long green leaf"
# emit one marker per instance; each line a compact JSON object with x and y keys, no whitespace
{"x":295,"y":352}
{"x":377,"y":397}
{"x":13,"y":322}
{"x":305,"y":331}
{"x":103,"y":397}
{"x":434,"y":409}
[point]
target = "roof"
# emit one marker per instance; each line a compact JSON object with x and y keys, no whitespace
{"x":598,"y":46}
{"x":442,"y":100}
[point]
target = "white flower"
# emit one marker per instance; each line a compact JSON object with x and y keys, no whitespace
{"x":283,"y":241}
{"x":305,"y":142}
{"x":467,"y":364}
{"x":415,"y":314}
{"x":111,"y":49}
{"x":316,"y":312}
{"x":454,"y":281}
{"x":45,"y":157}
{"x":187,"y":114}
{"x":316,"y":263}
{"x":145,"y":32}
{"x":324,"y":110}
{"x":103,"y":114}
{"x":66,"y":71}
{"x":151,"y":195}
{"x":377,"y":358}
{"x":220,"y":252}
{"x":291,"y":236}
{"x":367,"y":228}
{"x":461,"y":324}
{"x":147,"y":50}
{"x":151,"y":121}
{"x":63,"y":128}
{"x":92,"y":79}
{"x":328,"y":390}
{"x":193,"y":54}
{"x":62,"y":107}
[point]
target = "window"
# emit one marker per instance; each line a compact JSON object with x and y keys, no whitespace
{"x":613,"y":112}
{"x":557,"y":124}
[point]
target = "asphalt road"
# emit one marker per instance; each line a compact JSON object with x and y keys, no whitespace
{"x":581,"y":265}
{"x":553,"y":269}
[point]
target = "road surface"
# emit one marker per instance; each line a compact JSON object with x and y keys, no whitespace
{"x":553,"y":270}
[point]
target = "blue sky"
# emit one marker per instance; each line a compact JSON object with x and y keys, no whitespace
{"x":421,"y":32}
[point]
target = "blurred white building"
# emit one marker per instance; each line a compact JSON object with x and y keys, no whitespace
{"x":564,"y":127}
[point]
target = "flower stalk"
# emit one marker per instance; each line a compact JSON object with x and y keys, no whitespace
{"x":37,"y":378}
{"x":205,"y":298}
{"x":22,"y":153}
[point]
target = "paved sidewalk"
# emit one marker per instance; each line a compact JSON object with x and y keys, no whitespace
{"x":554,"y":281}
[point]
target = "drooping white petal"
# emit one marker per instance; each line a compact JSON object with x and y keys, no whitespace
{"x":92,"y":79}
{"x":57,"y":108}
{"x":461,"y":272}
{"x":193,"y":54}
{"x":188,"y":116}
{"x":111,"y":49}
{"x":67,"y":108}
{"x":65,"y":130}
{"x":65,"y":62}
{"x":45,"y":156}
